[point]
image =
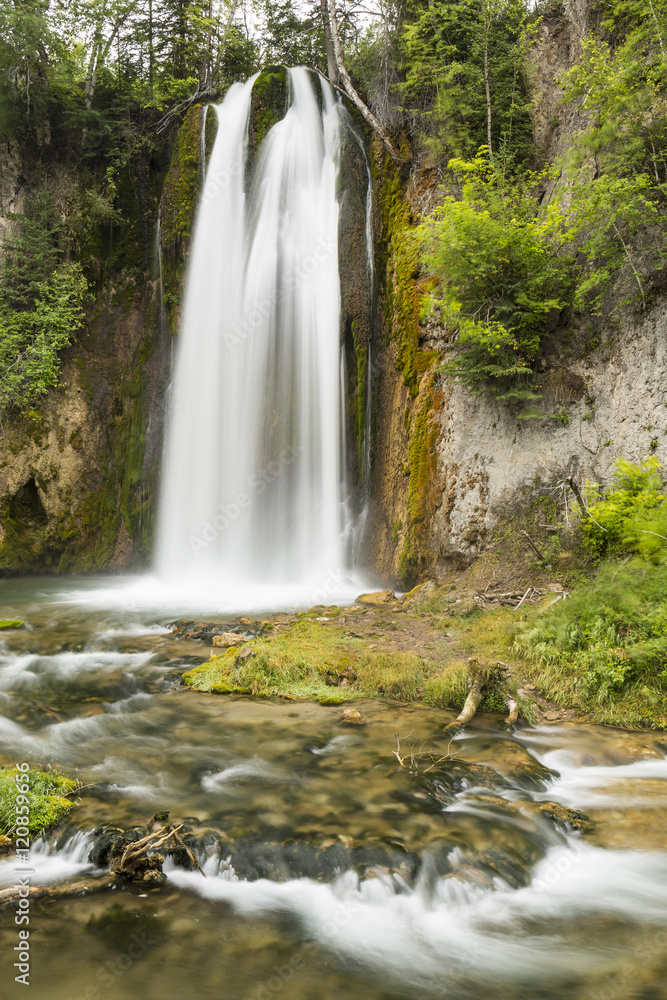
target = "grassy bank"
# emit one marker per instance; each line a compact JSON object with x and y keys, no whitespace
{"x":604,"y":650}
{"x":332,"y":656}
{"x":324,"y":662}
{"x":593,"y":654}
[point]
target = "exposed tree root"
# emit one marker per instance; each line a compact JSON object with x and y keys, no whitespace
{"x":513,"y":710}
{"x":477,"y":680}
{"x":480,"y":679}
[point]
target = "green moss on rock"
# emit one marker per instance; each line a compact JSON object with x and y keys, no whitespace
{"x":267,"y":107}
{"x":399,"y":259}
{"x":180,"y":197}
{"x":45,"y":793}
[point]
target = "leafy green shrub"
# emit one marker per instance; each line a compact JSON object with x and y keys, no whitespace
{"x":632,"y":517}
{"x":41,"y":304}
{"x":498,"y":274}
{"x":607,"y":637}
{"x":605,"y":647}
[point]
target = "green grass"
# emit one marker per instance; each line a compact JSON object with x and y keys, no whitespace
{"x":45,"y":799}
{"x":295,"y":663}
{"x":604,"y":649}
{"x":449,"y":687}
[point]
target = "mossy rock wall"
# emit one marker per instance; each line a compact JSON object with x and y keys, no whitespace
{"x":356,"y":291}
{"x":180,"y":199}
{"x":79,"y":474}
{"x":405,"y":493}
{"x":268,"y":104}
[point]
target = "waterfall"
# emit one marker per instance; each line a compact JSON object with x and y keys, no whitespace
{"x":253,"y":489}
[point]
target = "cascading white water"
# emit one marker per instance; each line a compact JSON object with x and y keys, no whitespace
{"x":252,"y":487}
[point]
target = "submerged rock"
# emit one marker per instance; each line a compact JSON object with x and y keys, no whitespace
{"x":212,"y":632}
{"x":562,"y":815}
{"x":353,"y":718}
{"x":281,"y":862}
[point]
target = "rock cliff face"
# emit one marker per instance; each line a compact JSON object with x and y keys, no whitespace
{"x":449,"y":467}
{"x":78,"y":472}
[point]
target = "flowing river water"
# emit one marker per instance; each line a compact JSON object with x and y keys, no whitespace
{"x":331,"y":871}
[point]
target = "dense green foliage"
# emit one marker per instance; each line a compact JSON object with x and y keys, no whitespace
{"x":96,"y":82}
{"x":41,"y":303}
{"x":617,"y":164}
{"x":504,"y":264}
{"x":632,"y":517}
{"x":608,"y":640}
{"x":499,"y":276}
{"x":449,"y":50}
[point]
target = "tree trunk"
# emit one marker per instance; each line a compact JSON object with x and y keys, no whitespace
{"x":478,"y":678}
{"x":365,"y":112}
{"x":151,"y":51}
{"x":91,"y":76}
{"x":98,"y":55}
{"x":487,"y":86}
{"x":223,"y":41}
{"x":332,"y":68}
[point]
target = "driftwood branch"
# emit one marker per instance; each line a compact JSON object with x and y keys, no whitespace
{"x":534,"y":547}
{"x":523,"y":598}
{"x":80,"y":887}
{"x":130,"y":859}
{"x":414,"y":760}
{"x":478,"y":677}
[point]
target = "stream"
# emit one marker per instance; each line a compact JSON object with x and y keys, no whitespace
{"x":330,"y":871}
